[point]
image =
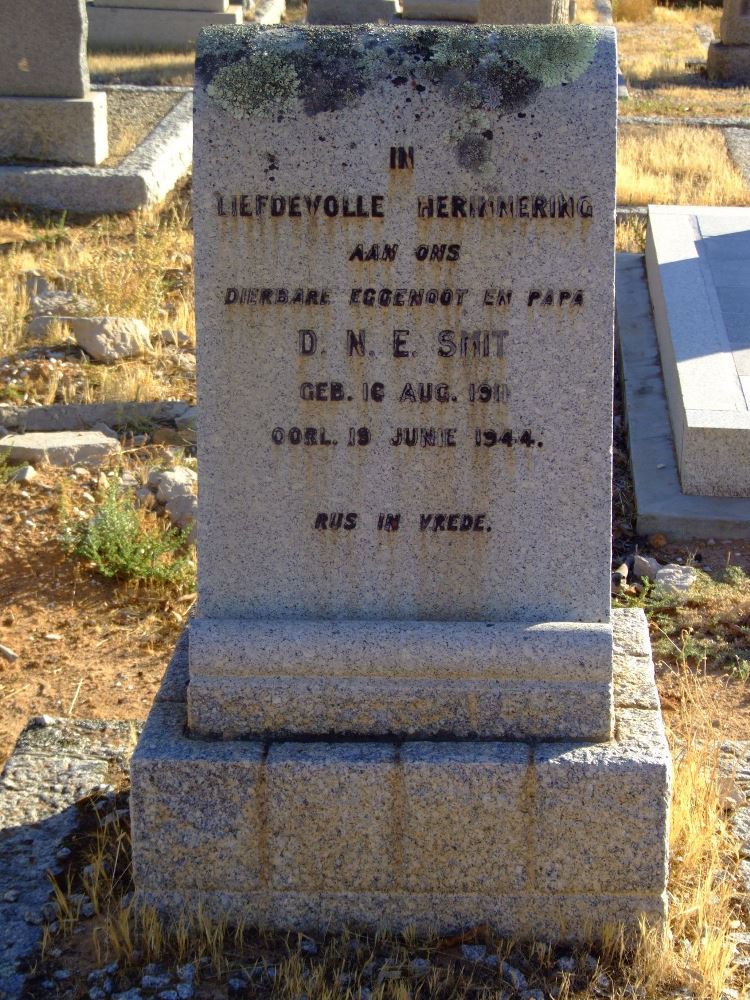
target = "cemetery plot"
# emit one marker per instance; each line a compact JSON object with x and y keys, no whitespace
{"x":697,"y":263}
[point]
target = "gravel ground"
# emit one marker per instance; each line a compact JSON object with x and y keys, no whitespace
{"x":131,"y":115}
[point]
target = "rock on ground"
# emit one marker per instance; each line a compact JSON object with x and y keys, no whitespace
{"x":110,"y":338}
{"x":645,"y":566}
{"x":171,"y":483}
{"x":674,"y":579}
{"x":53,"y":303}
{"x":175,"y":338}
{"x":183,"y":510}
{"x":59,"y":447}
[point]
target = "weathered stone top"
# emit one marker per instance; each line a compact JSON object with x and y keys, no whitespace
{"x":43,"y":48}
{"x":252,"y":71}
{"x":404,"y":288}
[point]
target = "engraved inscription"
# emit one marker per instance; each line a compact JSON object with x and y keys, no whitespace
{"x":407,"y":303}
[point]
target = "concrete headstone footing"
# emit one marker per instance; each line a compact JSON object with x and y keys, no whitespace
{"x":47,"y":109}
{"x":729,"y":59}
{"x":435,"y":621}
{"x":545,"y":839}
{"x":159,"y":25}
{"x":466,"y":11}
{"x":164,"y":24}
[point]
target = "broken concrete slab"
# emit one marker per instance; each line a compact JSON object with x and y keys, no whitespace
{"x":60,"y":448}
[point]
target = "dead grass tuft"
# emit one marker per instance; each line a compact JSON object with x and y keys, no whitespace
{"x":633,"y":10}
{"x":138,"y":266}
{"x":630,"y":235}
{"x":677,"y":166}
{"x":144,"y":68}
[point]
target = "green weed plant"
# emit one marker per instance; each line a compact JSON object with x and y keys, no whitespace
{"x":705,"y":627}
{"x":124,"y":543}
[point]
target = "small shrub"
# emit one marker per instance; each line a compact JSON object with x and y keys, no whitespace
{"x":125,"y":543}
{"x":734,"y":575}
{"x":633,"y":10}
{"x":6,"y":469}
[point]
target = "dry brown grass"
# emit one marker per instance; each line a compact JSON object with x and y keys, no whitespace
{"x":146,"y":68}
{"x":656,"y":50}
{"x":630,"y":235}
{"x":138,"y":266}
{"x":677,"y":166}
{"x":633,"y":10}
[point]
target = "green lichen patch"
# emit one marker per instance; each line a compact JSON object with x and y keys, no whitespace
{"x":267,"y":82}
{"x":253,"y":70}
{"x":552,"y":57}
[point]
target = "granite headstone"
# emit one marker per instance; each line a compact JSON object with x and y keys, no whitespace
{"x":404,"y":263}
{"x":43,"y":48}
{"x":47,"y":109}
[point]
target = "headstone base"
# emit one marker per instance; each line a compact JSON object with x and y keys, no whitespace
{"x":151,"y":29}
{"x":54,"y":130}
{"x":729,"y":62}
{"x":544,"y":840}
{"x":487,"y":680}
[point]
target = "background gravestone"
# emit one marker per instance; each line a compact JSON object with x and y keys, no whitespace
{"x":31,"y":67}
{"x":735,"y":22}
{"x":349,"y":11}
{"x":490,"y":11}
{"x":405,"y":312}
{"x":47,"y":110}
{"x":729,"y":59}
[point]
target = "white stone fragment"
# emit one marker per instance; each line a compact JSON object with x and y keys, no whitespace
{"x":170,"y":483}
{"x":183,"y":510}
{"x":24,"y":475}
{"x":674,"y":579}
{"x":111,"y":338}
{"x":645,"y":566}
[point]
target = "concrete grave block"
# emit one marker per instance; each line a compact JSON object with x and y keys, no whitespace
{"x":196,"y":809}
{"x":353,"y":788}
{"x":43,"y":49}
{"x":628,"y":782}
{"x":467,"y":801}
{"x":698,"y":262}
{"x":735,"y":23}
{"x":54,"y":131}
{"x":542,"y":841}
{"x":59,"y":447}
{"x":407,"y":678}
{"x":728,"y":62}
